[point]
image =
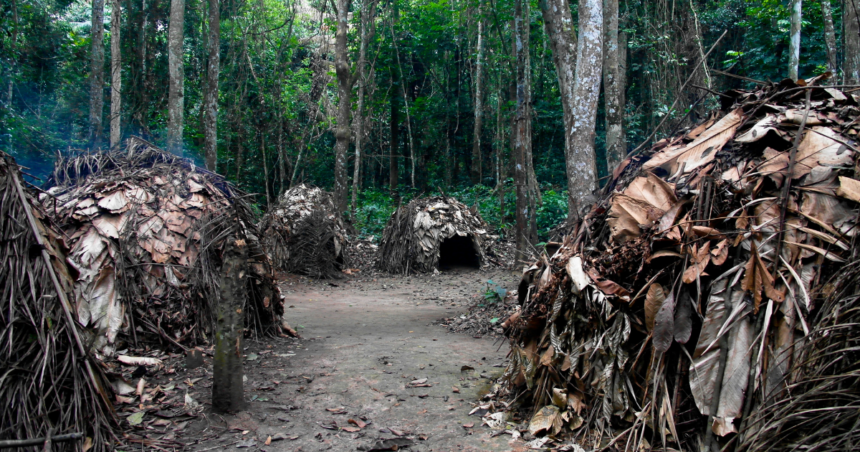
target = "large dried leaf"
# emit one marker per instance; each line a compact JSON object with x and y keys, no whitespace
{"x":759,"y":130}
{"x":702,"y":150}
{"x":652,"y":190}
{"x":577,"y":275}
{"x":849,"y":188}
{"x":653,"y":301}
{"x":627,"y":214}
{"x":818,"y":148}
{"x":684,"y":318}
{"x":664,"y":324}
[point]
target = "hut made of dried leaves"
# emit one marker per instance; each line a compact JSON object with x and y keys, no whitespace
{"x":49,"y":383}
{"x":430,"y":234}
{"x":304,"y":233}
{"x":683,"y":303}
{"x":146,"y":230}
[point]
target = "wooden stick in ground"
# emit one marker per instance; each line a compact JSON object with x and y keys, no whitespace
{"x":672,"y":108}
{"x":227,"y":391}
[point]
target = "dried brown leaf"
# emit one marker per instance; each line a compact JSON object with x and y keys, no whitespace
{"x":653,"y":301}
{"x":664,"y":325}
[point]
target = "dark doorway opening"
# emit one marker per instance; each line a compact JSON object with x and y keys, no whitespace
{"x":458,"y":251}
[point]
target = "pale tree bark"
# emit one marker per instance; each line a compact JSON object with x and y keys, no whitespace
{"x":176,"y":93}
{"x":829,"y":37}
{"x":851,"y":20}
{"x":97,"y":74}
{"x":616,"y":149}
{"x":534,"y":198}
{"x":210,"y":96}
{"x":523,"y":210}
{"x":345,"y":80}
{"x":581,"y":164}
{"x":794,"y":40}
{"x":477,"y":175}
{"x":558,"y":23}
{"x":368,"y":13}
{"x":116,"y":74}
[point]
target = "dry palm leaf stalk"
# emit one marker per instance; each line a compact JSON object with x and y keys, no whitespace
{"x":145,"y":230}
{"x":49,"y":383}
{"x":304,"y":234}
{"x":419,"y":234}
{"x":666,"y":318}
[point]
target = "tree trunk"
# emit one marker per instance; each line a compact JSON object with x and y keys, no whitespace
{"x":367,"y":14}
{"x":97,"y":74}
{"x":852,"y":42}
{"x":581,"y":164}
{"x":523,"y":213}
{"x":344,"y":106}
{"x":176,"y":94}
{"x":116,"y":74}
{"x":477,"y":175}
{"x":794,"y":40}
{"x":612,"y":89}
{"x":393,"y":150}
{"x":210,"y":99}
{"x":534,"y":197}
{"x":558,"y":24}
{"x":227,"y":391}
{"x":829,"y":37}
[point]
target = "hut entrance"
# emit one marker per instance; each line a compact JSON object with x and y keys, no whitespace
{"x":458,"y":251}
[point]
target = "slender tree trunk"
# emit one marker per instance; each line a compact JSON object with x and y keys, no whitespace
{"x":210,"y":100}
{"x":829,"y":37}
{"x":534,"y":197}
{"x":345,"y":80}
{"x":615,"y":149}
{"x":406,"y":105}
{"x":852,"y":42}
{"x":477,"y":175}
{"x":558,"y":24}
{"x":581,"y":163}
{"x":394,"y":148}
{"x":116,"y":74}
{"x":97,"y":74}
{"x":282,"y":155}
{"x":227,"y":387}
{"x":523,"y":213}
{"x":265,"y":169}
{"x":176,"y":94}
{"x":794,"y":40}
{"x":367,"y":14}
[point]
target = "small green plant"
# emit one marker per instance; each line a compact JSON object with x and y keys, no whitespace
{"x":494,"y":292}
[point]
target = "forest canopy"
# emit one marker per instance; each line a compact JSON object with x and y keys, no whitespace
{"x":378,"y":100}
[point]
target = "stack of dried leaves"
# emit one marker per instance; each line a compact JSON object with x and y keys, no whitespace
{"x":49,"y":383}
{"x":416,"y":234}
{"x":304,"y":234}
{"x":145,"y":230}
{"x":682,"y":301}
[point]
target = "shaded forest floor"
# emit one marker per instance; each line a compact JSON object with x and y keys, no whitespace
{"x":377,"y":361}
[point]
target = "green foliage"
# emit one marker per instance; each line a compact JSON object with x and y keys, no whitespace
{"x":494,"y":293}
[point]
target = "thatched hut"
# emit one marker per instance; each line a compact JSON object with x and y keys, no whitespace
{"x":431,"y":234}
{"x":304,"y":234}
{"x":146,"y":230}
{"x":687,"y":298}
{"x":49,"y":383}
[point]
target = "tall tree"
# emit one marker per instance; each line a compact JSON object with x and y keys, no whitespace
{"x":97,"y":73}
{"x":520,"y":132}
{"x":345,"y":80}
{"x":210,"y":100}
{"x":580,"y":161}
{"x":116,"y":74}
{"x":852,"y":42}
{"x":829,"y":37}
{"x":176,"y":71}
{"x":558,"y":23}
{"x":394,"y":105}
{"x":476,"y":172}
{"x":616,"y":147}
{"x":368,"y":12}
{"x":794,"y":40}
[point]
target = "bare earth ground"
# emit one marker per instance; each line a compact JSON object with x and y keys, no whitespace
{"x":374,"y":352}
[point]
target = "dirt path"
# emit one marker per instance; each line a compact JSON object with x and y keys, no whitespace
{"x":372,"y":351}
